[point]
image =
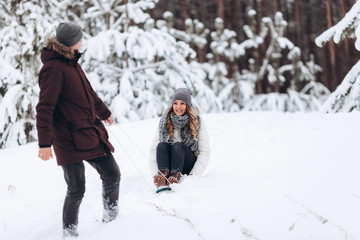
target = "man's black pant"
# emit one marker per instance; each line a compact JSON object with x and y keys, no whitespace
{"x":175,"y":157}
{"x":74,"y":174}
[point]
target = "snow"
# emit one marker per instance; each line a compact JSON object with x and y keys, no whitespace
{"x":272,"y":176}
{"x":345,"y":96}
{"x":347,"y":23}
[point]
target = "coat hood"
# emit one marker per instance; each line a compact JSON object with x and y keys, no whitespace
{"x":54,"y":49}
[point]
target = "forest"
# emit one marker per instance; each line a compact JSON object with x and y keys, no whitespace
{"x":306,"y":20}
{"x":234,"y":55}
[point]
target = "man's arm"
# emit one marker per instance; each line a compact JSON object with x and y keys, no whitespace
{"x":50,"y":82}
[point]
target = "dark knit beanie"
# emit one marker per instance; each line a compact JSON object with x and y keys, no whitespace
{"x":68,"y":33}
{"x":183,"y":94}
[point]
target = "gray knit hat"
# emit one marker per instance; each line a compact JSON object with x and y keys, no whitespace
{"x":183,"y":94}
{"x":68,"y":33}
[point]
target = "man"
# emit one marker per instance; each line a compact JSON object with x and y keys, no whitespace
{"x":69,"y":115}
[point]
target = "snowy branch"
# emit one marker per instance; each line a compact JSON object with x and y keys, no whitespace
{"x":339,"y":31}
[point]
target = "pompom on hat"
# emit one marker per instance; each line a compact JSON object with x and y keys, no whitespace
{"x":183,"y":94}
{"x":68,"y":33}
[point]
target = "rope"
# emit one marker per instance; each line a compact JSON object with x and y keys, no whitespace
{"x":141,"y":151}
{"x":128,"y":156}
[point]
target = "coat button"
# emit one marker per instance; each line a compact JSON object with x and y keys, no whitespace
{"x":104,"y":153}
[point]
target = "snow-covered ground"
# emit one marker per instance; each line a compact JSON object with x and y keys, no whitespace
{"x":272,"y":176}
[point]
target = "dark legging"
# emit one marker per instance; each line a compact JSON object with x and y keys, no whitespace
{"x":74,"y":174}
{"x":175,"y":157}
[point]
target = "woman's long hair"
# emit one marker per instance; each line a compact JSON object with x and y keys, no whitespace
{"x":193,"y":121}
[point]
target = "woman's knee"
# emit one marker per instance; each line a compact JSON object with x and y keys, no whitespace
{"x":177,"y":147}
{"x":162,"y":147}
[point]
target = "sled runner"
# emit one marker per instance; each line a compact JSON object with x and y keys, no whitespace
{"x":163,"y":189}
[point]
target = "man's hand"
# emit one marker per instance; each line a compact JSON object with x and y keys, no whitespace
{"x":45,"y":153}
{"x":110,"y":120}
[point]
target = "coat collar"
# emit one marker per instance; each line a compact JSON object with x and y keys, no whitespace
{"x":52,"y":44}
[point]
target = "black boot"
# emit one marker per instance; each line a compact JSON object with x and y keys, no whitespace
{"x":110,"y":212}
{"x":70,"y":232}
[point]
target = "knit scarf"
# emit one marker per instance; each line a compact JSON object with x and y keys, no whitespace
{"x":181,"y":122}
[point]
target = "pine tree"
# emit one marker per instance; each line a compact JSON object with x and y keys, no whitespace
{"x":17,"y":109}
{"x":272,"y":68}
{"x":195,"y":33}
{"x":313,"y":88}
{"x":137,"y":69}
{"x":118,"y":14}
{"x":271,"y":63}
{"x":256,"y":39}
{"x":27,"y":25}
{"x":346,"y":97}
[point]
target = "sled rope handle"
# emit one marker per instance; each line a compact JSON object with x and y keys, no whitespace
{"x":140,"y":150}
{"x":128,"y":156}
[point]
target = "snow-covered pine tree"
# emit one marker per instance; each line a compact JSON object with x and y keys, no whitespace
{"x":212,"y":72}
{"x":17,"y":109}
{"x":346,"y":97}
{"x":300,"y":75}
{"x":9,"y":76}
{"x":167,"y":25}
{"x":274,"y":52}
{"x":221,"y":52}
{"x":256,"y":36}
{"x":195,"y":33}
{"x":104,"y":15}
{"x":221,"y":41}
{"x":314,"y":88}
{"x":135,"y":69}
{"x":27,"y":23}
{"x":271,"y":67}
{"x":240,"y":89}
{"x":237,"y":93}
{"x":198,"y":34}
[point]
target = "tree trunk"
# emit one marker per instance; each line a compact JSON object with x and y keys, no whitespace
{"x":310,"y":28}
{"x":202,"y":12}
{"x":265,"y":12}
{"x":276,"y":6}
{"x":324,"y":58}
{"x":331,"y":44}
{"x":126,"y":30}
{"x":298,"y":24}
{"x":184,"y":9}
{"x":221,"y":12}
{"x":166,"y":4}
{"x":283,"y":8}
{"x":346,"y":41}
{"x":234,"y":11}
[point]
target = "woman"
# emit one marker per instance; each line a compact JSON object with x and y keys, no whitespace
{"x":181,"y":143}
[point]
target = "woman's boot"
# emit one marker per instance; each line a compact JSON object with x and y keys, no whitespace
{"x":174,"y":177}
{"x":160,"y":178}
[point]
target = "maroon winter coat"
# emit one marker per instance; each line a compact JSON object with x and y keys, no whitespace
{"x":69,"y":111}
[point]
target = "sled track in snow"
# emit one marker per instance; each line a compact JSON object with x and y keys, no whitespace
{"x":321,"y":219}
{"x":174,"y":214}
{"x":249,"y":234}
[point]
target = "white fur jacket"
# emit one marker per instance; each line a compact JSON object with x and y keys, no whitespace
{"x":204,"y":150}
